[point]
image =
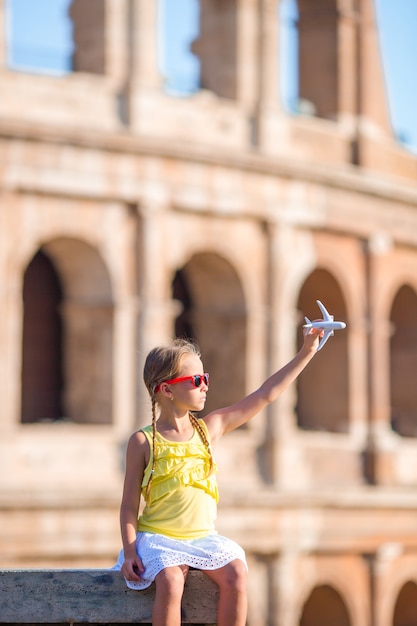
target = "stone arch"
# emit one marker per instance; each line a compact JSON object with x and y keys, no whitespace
{"x":403,"y":362}
{"x":86,"y":335}
{"x":325,"y":607}
{"x":405,"y":610}
{"x":213,"y":312}
{"x":329,"y":373}
{"x":319,"y":72}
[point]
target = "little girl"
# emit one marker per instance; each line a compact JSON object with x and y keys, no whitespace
{"x":170,"y":463}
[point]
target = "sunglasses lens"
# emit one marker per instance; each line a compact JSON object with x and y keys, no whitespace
{"x":198,"y":379}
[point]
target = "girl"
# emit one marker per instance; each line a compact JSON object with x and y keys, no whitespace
{"x":170,"y":463}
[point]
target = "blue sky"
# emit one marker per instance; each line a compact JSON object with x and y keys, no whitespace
{"x":40,"y":39}
{"x":397,"y":21}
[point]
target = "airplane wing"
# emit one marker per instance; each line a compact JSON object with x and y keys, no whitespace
{"x":326,"y":315}
{"x":327,"y":334}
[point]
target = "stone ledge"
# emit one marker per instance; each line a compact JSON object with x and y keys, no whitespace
{"x":94,"y":596}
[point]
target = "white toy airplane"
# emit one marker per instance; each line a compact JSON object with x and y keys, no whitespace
{"x":327,"y":324}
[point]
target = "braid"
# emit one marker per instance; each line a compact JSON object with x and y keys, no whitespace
{"x":195,"y":422}
{"x":148,"y":486}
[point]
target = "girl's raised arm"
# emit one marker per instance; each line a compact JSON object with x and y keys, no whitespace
{"x":227,"y":419}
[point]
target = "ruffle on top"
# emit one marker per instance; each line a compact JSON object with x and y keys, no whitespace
{"x":179,"y":464}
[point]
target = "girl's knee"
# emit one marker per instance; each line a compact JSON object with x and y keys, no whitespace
{"x":171,"y":580}
{"x":234,"y":576}
{"x":239,"y":574}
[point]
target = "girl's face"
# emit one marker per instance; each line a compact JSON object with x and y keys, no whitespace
{"x":185,"y":393}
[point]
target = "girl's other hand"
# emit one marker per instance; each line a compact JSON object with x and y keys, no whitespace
{"x":132,"y":569}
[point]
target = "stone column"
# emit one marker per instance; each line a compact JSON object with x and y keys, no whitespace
{"x":217,"y":46}
{"x":348,"y":89}
{"x":373,"y":96}
{"x":362,"y":98}
{"x":11,"y":303}
{"x":257,"y":61}
{"x":268,"y":119}
{"x":144,"y":43}
{"x":144,"y":80}
{"x":378,"y":248}
{"x":269,"y":54}
{"x":157,"y":310}
{"x":89,"y":35}
{"x":248,"y":44}
{"x":273,"y":352}
{"x":116,"y":39}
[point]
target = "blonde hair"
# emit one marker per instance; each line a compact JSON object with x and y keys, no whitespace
{"x":164,"y":363}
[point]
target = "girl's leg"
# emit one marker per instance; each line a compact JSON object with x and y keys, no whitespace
{"x":232,"y":582}
{"x":169,"y":588}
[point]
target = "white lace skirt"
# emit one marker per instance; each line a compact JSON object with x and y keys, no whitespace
{"x":158,"y":552}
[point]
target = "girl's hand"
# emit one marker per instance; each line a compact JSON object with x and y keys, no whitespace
{"x":132,"y":569}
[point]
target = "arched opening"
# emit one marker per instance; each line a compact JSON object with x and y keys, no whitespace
{"x":57,"y":37}
{"x":288,"y":37}
{"x":403,"y":362}
{"x":405,"y":611}
{"x":178,"y":28}
{"x":181,"y":293}
{"x":39,"y":38}
{"x":213,"y":313}
{"x":311,"y":26}
{"x":322,"y":398}
{"x":42,"y":375}
{"x":325,"y":607}
{"x":68,"y":320}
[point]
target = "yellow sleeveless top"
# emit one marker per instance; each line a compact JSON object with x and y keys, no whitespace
{"x":182,"y":502}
